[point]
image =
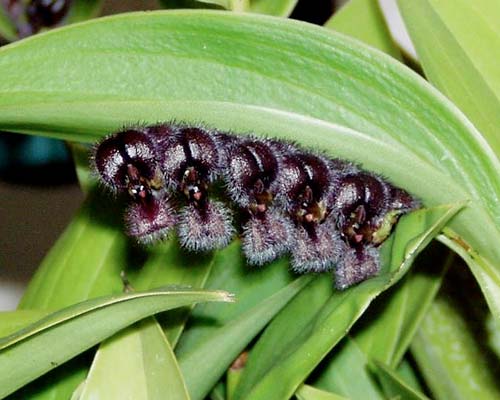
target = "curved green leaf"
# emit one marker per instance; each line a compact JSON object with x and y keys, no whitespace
{"x":298,"y":354}
{"x":385,"y":332}
{"x":224,"y":343}
{"x":87,"y":261}
{"x":250,"y":285}
{"x":458,"y":44}
{"x":137,"y":363}
{"x":395,"y":387}
{"x":363,"y":20}
{"x":387,"y":335}
{"x":42,"y":346}
{"x":307,"y":85}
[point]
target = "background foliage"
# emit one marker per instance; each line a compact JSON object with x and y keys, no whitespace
{"x":271,"y":76}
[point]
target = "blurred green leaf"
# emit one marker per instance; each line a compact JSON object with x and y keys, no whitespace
{"x":304,"y":350}
{"x":363,"y":20}
{"x":451,"y":351}
{"x":408,"y":372}
{"x":218,"y":392}
{"x":137,"y":363}
{"x":42,"y":346}
{"x":320,"y":89}
{"x":393,"y":386}
{"x":306,"y":392}
{"x":225,"y":343}
{"x":279,"y":8}
{"x":82,"y":10}
{"x":458,"y":45}
{"x":173,"y":4}
{"x":7,"y":28}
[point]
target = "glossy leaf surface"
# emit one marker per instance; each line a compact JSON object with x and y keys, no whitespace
{"x":53,"y":340}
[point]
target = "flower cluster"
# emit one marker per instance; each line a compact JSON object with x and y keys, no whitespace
{"x":328,"y":214}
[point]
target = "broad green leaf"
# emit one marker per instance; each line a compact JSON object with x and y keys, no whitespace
{"x":279,"y":8}
{"x":306,"y":392}
{"x":42,"y":346}
{"x":393,"y":386}
{"x":225,"y":343}
{"x":451,"y":352}
{"x":458,"y":44}
{"x":331,"y":323}
{"x":363,"y":20}
{"x":137,"y":363}
{"x":320,"y":89}
{"x":11,"y":321}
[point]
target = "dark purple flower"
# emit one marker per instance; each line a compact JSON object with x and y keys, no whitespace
{"x":267,"y":236}
{"x":356,"y":265}
{"x":127,"y":162}
{"x":150,"y":219}
{"x":207,"y":228}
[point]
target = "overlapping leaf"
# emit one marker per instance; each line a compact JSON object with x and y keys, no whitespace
{"x":458,"y":60}
{"x":288,"y":355}
{"x":42,"y":346}
{"x":270,"y":76}
{"x":136,"y":363}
